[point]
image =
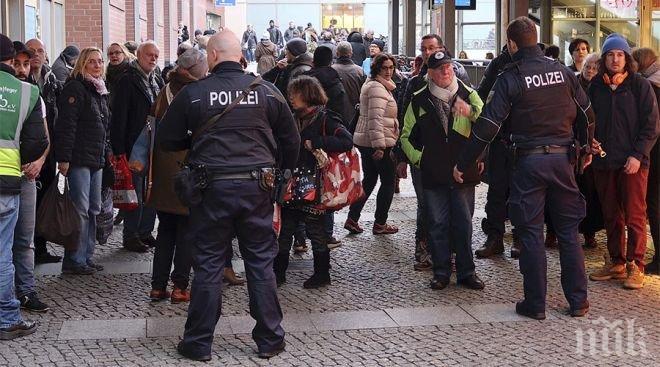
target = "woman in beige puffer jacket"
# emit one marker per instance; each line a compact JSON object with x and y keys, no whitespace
{"x":376,"y":133}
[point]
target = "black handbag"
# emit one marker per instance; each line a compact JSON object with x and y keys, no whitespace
{"x":57,"y":219}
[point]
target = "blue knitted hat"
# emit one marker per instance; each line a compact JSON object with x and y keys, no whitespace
{"x":616,"y":41}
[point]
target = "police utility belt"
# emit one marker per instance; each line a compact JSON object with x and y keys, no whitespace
{"x":517,"y":152}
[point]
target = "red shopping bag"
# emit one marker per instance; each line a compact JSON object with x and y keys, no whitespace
{"x":277,"y":219}
{"x":124,"y":196}
{"x":341,"y":180}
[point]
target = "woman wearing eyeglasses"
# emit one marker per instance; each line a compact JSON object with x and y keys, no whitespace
{"x":118,"y":60}
{"x":376,"y":133}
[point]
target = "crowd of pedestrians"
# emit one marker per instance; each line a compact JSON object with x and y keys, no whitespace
{"x":340,"y":90}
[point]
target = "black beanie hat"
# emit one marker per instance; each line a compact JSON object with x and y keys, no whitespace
{"x":297,"y":46}
{"x":322,"y":56}
{"x":379,"y":43}
{"x":7,"y":50}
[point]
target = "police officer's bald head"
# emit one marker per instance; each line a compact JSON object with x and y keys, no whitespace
{"x":522,"y":33}
{"x":223,"y":46}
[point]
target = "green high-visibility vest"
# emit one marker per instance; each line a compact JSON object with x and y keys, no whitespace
{"x":17,"y":100}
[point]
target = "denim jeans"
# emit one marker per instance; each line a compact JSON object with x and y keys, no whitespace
{"x":249,"y":54}
{"x":329,"y":224}
{"x":172,"y":243}
{"x":139,"y":222}
{"x":313,"y":228}
{"x":10,"y":313}
{"x":85,"y":190}
{"x":449,"y":211}
{"x":23,"y":248}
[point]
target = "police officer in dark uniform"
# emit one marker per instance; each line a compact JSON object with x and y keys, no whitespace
{"x":498,"y":172}
{"x":539,"y":95}
{"x":233,"y":151}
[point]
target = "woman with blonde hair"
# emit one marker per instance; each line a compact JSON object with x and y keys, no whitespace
{"x":79,"y":142}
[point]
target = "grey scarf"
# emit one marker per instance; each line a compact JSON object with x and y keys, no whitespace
{"x":148,"y":81}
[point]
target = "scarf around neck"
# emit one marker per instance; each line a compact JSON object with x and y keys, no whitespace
{"x":388,"y":84}
{"x":444,"y":94}
{"x":148,"y":81}
{"x":98,"y":84}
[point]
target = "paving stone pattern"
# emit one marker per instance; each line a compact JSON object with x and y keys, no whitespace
{"x":378,"y":312}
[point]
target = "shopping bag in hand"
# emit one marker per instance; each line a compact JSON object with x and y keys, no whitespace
{"x":342,"y":180}
{"x":124,"y":196}
{"x":57,"y":219}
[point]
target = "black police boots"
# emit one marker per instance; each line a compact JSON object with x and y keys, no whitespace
{"x":280,"y":265}
{"x":494,"y":245}
{"x":321,"y":276}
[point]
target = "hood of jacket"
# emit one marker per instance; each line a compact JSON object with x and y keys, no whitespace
{"x":305,"y":58}
{"x":326,"y":75}
{"x":69,"y":55}
{"x":344,"y":60}
{"x":354,"y":37}
{"x":652,"y":73}
{"x":179,"y":79}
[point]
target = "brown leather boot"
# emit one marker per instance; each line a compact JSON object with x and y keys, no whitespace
{"x":180,"y":295}
{"x":494,"y":245}
{"x":231,"y":277}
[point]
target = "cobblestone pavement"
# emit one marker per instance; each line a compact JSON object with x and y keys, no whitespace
{"x":372,"y":315}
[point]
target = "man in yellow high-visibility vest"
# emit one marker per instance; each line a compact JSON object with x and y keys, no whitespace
{"x":23,"y":139}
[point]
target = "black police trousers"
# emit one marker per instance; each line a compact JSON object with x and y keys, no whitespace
{"x":498,"y":188}
{"x":233,"y":208}
{"x":537,"y":180}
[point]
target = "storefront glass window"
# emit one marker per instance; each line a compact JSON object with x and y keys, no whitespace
{"x":593,"y":21}
{"x":349,"y":16}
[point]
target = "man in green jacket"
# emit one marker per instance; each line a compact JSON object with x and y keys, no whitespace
{"x":23,"y":140}
{"x":437,"y":125}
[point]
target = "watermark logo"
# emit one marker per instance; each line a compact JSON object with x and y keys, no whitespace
{"x":607,"y":338}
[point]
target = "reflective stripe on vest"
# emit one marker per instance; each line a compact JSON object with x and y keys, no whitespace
{"x":12,"y":120}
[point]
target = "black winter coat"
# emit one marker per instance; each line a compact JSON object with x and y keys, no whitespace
{"x":325,"y":132}
{"x":80,"y":131}
{"x":282,"y":77}
{"x":627,"y":122}
{"x":359,"y":51}
{"x":492,"y":70}
{"x":130,"y":106}
{"x":334,"y":89}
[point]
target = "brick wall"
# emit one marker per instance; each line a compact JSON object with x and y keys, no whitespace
{"x":130,"y":19}
{"x":117,"y":20}
{"x":84,"y":23}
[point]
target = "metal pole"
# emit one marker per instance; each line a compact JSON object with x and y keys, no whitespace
{"x":394,"y":35}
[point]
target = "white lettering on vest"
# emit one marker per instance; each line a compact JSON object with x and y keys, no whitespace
{"x":545,"y":79}
{"x":224,"y":98}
